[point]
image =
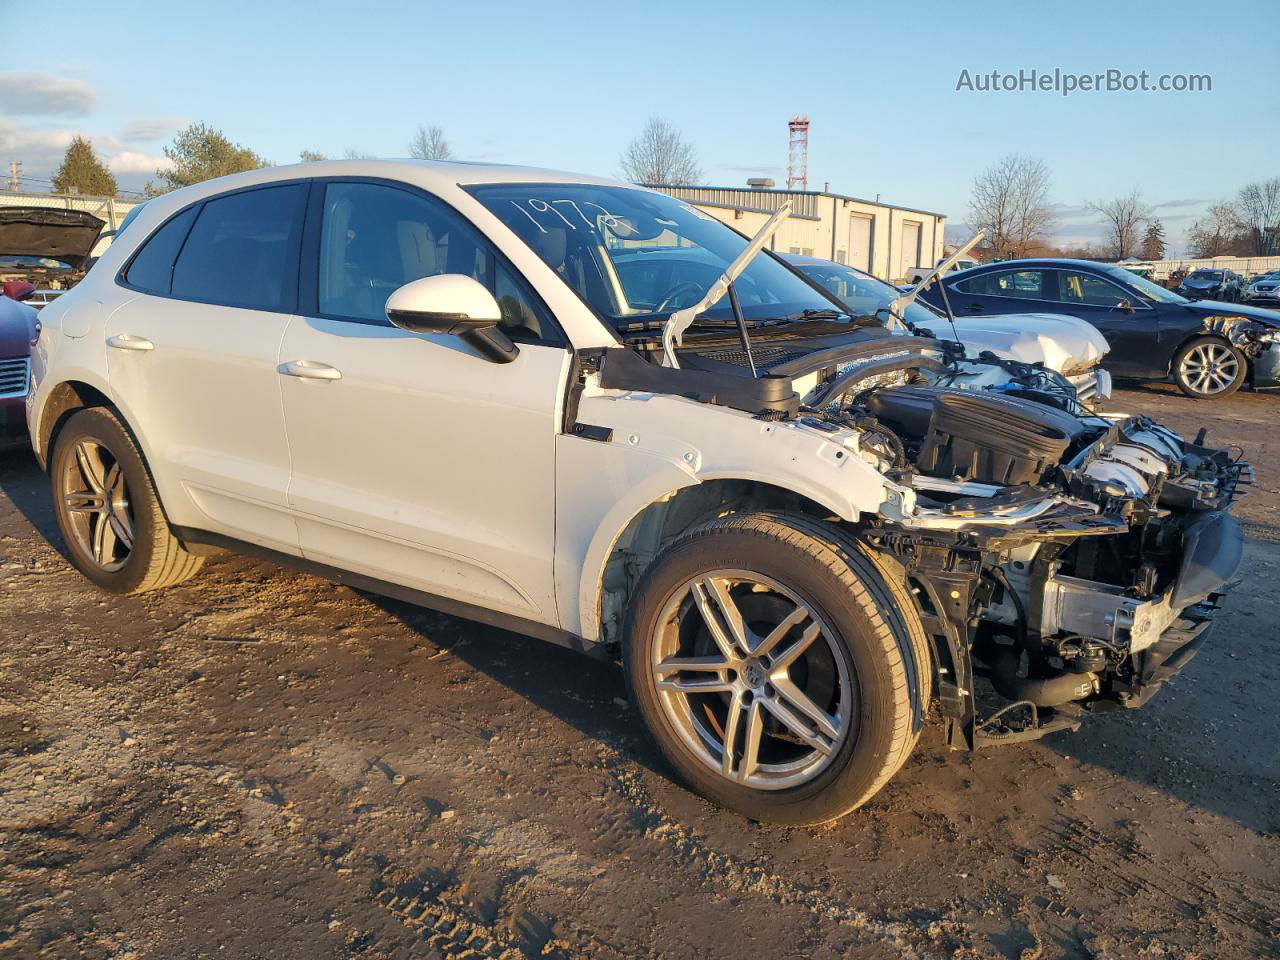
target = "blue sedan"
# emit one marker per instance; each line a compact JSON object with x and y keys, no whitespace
{"x":1209,"y":349}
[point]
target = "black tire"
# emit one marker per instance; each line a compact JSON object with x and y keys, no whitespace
{"x":872,"y":623}
{"x":1208,"y":368}
{"x":149,"y":557}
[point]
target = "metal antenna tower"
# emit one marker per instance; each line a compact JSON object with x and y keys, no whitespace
{"x":798,"y":154}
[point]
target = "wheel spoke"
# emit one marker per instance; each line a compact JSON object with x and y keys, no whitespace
{"x":789,"y":656}
{"x":751,"y":748}
{"x":90,"y":468}
{"x":721,"y":615}
{"x":712,"y":679}
{"x":731,"y":734}
{"x":122,"y":529}
{"x":794,"y":618}
{"x":104,"y":540}
{"x":794,"y":697}
{"x":797,"y":726}
{"x":83,"y":502}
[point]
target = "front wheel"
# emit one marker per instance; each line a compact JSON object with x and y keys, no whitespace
{"x":1207,"y":368}
{"x":107,"y":509}
{"x":781,"y":672}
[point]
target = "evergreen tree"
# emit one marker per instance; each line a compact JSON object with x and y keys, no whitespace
{"x":83,"y":172}
{"x":1153,"y":245}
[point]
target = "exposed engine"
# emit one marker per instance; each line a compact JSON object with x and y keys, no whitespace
{"x":1073,"y":559}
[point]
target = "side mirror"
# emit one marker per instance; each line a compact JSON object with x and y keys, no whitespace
{"x":1125,"y":305}
{"x":457,"y":305}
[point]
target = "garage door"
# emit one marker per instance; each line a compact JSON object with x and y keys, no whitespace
{"x":910,"y":247}
{"x":860,"y":242}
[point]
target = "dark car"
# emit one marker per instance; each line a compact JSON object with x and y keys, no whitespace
{"x":1206,"y":284}
{"x":37,"y":244}
{"x":1208,"y":348}
{"x":18,"y":328}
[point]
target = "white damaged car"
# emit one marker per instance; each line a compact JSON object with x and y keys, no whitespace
{"x":484,"y":390}
{"x":1063,"y":344}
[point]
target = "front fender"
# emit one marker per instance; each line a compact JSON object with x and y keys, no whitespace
{"x":660,"y":445}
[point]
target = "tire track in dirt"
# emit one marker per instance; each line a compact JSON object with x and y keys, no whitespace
{"x":744,"y":877}
{"x":1109,"y":862}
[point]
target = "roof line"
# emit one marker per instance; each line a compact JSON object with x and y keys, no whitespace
{"x":794,"y":193}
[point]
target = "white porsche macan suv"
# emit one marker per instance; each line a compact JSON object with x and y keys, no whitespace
{"x":591,"y":413}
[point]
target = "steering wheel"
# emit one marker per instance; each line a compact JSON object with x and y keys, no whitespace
{"x":683,"y":287}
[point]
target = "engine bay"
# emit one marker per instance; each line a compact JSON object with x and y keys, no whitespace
{"x":1071,"y":558}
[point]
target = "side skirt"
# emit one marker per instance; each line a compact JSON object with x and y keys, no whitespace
{"x":456,"y":608}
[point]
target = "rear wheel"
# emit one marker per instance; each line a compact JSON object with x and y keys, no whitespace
{"x":775,"y":666}
{"x":1208,"y":367}
{"x":107,"y":509}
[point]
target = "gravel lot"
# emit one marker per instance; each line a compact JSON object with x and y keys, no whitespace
{"x":262,"y":764}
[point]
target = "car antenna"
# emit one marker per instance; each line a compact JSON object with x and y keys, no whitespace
{"x":679,"y":322}
{"x":898,"y":305}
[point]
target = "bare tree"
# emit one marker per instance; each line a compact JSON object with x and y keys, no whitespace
{"x":351,"y":153}
{"x":660,"y":155}
{"x":311,"y":156}
{"x":1258,"y":208}
{"x":1010,"y":203}
{"x":428,"y":143}
{"x":1218,"y":233}
{"x":1125,"y":217}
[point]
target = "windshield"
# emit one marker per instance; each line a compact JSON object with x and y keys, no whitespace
{"x":636,"y":256}
{"x":862,"y":293}
{"x":1206,"y":275}
{"x":1148,"y":288}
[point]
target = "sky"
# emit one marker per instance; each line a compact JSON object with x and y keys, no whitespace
{"x":568,"y":85}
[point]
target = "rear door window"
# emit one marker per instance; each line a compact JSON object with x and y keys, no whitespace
{"x":152,"y":267}
{"x":1027,"y":284}
{"x":243,"y":250}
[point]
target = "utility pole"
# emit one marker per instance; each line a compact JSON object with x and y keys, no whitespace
{"x":15,"y":173}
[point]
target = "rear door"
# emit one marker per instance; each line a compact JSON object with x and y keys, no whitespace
{"x":415,"y":460}
{"x":996,"y":292}
{"x":193,"y":359}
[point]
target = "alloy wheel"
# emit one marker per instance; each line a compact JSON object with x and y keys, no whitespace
{"x":1209,"y":368}
{"x":96,"y":497}
{"x":752,"y":679}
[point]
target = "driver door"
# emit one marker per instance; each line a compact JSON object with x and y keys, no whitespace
{"x":414,"y":459}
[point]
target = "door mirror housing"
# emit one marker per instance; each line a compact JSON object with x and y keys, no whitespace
{"x":454,"y":304}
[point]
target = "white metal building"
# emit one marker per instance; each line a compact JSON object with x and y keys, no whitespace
{"x":881,"y":238}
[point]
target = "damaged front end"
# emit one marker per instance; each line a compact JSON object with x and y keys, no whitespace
{"x":1257,"y":338}
{"x":1074,"y":561}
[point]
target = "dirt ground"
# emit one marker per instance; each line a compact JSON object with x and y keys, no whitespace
{"x":262,"y":764}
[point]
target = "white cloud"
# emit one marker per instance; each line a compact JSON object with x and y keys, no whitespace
{"x":150,"y":129}
{"x":43,"y":94}
{"x":127,"y":162}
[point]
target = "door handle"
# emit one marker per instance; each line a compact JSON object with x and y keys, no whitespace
{"x":127,"y":341}
{"x":309,"y":370}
